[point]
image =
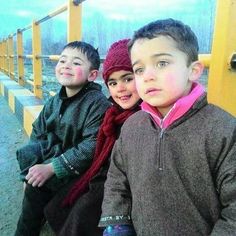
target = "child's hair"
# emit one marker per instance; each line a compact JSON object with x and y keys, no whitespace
{"x":88,"y":50}
{"x":182,"y":34}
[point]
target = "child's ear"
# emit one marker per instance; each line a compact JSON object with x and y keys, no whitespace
{"x":196,"y":70}
{"x":93,"y":75}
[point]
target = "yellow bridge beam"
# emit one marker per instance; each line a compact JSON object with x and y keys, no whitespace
{"x":37,"y":63}
{"x":74,"y":21}
{"x":1,"y":56}
{"x":10,"y":52}
{"x":20,"y":60}
{"x":5,"y":59}
{"x":205,"y":59}
{"x":222,"y":78}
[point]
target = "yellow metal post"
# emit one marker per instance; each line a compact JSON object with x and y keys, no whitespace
{"x":222,"y":78}
{"x":74,"y":22}
{"x":1,"y":56}
{"x":205,"y":59}
{"x":5,"y":63}
{"x":37,"y":64}
{"x":11,"y":57}
{"x":20,"y":60}
{"x":5,"y":56}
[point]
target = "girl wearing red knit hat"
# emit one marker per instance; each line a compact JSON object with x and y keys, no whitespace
{"x":77,"y":209}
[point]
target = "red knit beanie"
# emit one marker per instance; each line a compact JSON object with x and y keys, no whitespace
{"x":117,"y":59}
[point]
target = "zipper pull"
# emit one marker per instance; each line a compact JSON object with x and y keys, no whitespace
{"x":161,"y":133}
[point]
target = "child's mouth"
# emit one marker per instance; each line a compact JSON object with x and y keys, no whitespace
{"x":125,"y":97}
{"x":152,"y":91}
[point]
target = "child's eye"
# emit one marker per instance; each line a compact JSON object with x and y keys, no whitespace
{"x":138,"y":71}
{"x":111,"y":84}
{"x":162,"y":64}
{"x":62,"y":61}
{"x":128,"y":79}
{"x":77,"y":63}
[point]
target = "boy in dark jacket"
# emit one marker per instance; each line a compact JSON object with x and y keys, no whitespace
{"x":63,"y":138}
{"x":173,"y":168}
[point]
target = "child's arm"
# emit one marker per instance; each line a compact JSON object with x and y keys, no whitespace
{"x":226,"y":185}
{"x":75,"y":160}
{"x":226,"y":188}
{"x":79,"y":144}
{"x":31,"y":153}
{"x":116,"y":207}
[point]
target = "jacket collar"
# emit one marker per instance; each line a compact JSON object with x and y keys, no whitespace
{"x":88,"y":86}
{"x":180,"y":107}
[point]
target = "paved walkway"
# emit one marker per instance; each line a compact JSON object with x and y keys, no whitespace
{"x":12,"y":136}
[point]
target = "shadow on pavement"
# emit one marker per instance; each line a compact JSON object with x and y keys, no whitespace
{"x":12,"y":136}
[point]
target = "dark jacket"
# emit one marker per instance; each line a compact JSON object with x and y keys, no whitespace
{"x":175,"y":182}
{"x":65,"y":132}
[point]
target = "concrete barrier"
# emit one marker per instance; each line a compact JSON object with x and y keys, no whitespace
{"x":21,"y":101}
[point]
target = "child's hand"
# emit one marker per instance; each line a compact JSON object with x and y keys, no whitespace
{"x":38,"y":174}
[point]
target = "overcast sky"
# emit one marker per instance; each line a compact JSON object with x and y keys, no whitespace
{"x":17,"y":14}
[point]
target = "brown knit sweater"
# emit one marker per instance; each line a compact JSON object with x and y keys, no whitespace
{"x":195,"y":192}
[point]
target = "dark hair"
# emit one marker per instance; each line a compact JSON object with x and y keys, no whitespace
{"x":88,"y":50}
{"x":182,"y":34}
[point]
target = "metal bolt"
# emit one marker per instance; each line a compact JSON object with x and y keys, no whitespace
{"x":233,"y":62}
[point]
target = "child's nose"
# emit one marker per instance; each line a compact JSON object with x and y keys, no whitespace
{"x":67,"y":64}
{"x":121,"y":87}
{"x":149,"y":74}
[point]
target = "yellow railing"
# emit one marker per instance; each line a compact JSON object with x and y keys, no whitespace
{"x":222,"y":73}
{"x":221,"y":62}
{"x":74,"y":26}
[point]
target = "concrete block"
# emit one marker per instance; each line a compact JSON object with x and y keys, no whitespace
{"x":30,"y":114}
{"x":13,"y":93}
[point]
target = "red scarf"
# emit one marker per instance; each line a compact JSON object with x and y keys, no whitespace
{"x":107,"y":135}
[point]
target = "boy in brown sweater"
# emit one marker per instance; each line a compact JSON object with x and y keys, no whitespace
{"x":173,"y":168}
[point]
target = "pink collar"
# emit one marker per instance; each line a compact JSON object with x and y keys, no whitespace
{"x":180,"y":107}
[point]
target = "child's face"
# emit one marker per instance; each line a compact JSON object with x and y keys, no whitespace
{"x":72,"y":69}
{"x":161,"y":72}
{"x":121,"y":85}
